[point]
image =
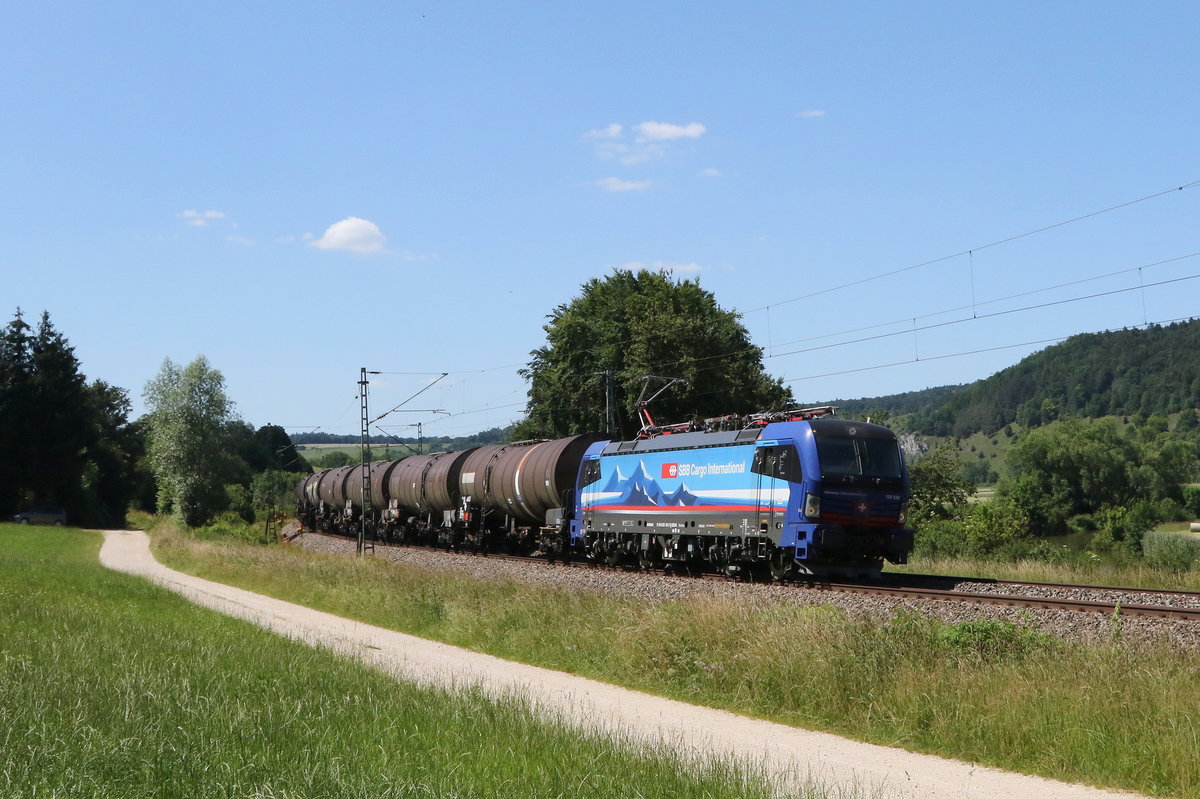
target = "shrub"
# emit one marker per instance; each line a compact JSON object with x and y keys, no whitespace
{"x":1122,"y":528}
{"x":238,"y":501}
{"x":998,"y":529}
{"x":231,"y":525}
{"x":1191,"y":500}
{"x":1171,"y":551}
{"x":939,"y":538}
{"x":990,"y":640}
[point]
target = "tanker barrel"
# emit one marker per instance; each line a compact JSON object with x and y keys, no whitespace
{"x":473,"y":476}
{"x":380,"y":473}
{"x":331,"y":490}
{"x":428,"y":483}
{"x":526,"y":479}
{"x":442,"y":480}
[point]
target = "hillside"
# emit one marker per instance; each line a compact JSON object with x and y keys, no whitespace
{"x":1121,"y":373}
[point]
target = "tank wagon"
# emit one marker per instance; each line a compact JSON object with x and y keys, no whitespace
{"x":784,"y":494}
{"x":481,"y":498}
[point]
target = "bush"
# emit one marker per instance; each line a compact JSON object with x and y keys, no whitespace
{"x":1122,"y":528}
{"x":238,"y":501}
{"x":1171,"y":551}
{"x":996,"y":529}
{"x":991,"y":640}
{"x":1191,"y":500}
{"x":939,"y":538}
{"x":231,"y":525}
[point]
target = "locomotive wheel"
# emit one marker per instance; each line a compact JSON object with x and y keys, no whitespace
{"x":649,"y":560}
{"x":781,"y":566}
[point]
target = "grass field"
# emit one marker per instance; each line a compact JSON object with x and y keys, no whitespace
{"x":1101,"y":572}
{"x":989,"y":692}
{"x":112,"y":687}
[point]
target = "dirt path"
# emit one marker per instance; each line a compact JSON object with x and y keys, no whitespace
{"x":791,"y":755}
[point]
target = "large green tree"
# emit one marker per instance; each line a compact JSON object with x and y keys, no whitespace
{"x":188,"y":439}
{"x":632,"y":324}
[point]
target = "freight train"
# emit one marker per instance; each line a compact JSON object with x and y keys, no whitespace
{"x":783,"y":494}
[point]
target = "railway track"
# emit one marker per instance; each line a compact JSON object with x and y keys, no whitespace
{"x":1035,"y":595}
{"x":1110,"y":600}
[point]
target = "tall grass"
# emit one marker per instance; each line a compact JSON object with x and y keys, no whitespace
{"x":990,"y":692}
{"x":111,"y":687}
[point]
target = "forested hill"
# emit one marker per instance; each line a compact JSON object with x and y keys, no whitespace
{"x":1126,"y":372}
{"x":910,"y":402}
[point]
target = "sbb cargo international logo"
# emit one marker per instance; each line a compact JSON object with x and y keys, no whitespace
{"x":670,"y":470}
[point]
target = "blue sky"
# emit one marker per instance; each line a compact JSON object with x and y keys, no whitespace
{"x":246,"y":181}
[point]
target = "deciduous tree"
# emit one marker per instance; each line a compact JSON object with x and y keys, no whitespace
{"x":631,"y":324}
{"x":188,"y":452}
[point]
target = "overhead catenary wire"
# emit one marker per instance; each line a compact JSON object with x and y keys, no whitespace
{"x":771,"y":351}
{"x":977,"y":248}
{"x":965,"y":353}
{"x":851,"y":284}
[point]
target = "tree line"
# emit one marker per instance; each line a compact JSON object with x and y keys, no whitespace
{"x":67,"y":442}
{"x":63,"y":441}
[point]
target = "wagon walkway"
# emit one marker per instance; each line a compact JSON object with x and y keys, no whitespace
{"x":793,"y":756}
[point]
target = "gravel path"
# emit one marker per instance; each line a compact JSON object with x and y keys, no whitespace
{"x":792,"y":756}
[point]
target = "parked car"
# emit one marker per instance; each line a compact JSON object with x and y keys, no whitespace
{"x":55,"y":516}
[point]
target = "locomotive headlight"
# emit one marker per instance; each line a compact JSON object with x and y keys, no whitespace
{"x":812,"y":506}
{"x":903,"y":517}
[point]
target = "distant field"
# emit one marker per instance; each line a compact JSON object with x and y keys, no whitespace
{"x":322,"y":448}
{"x":111,"y":686}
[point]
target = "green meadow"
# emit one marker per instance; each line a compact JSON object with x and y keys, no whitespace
{"x":112,"y":687}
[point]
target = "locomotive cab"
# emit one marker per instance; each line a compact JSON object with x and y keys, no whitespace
{"x":854,"y":497}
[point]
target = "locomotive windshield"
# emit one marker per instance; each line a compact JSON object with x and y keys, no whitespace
{"x":848,"y":459}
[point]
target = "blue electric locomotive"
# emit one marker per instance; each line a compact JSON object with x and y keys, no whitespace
{"x":812,"y":495}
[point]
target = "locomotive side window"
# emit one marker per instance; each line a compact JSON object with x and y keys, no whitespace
{"x":591,"y":472}
{"x":782,"y":462}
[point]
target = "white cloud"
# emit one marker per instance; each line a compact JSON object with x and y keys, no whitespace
{"x":611,"y":143}
{"x":665,"y":131}
{"x":353,"y":234}
{"x":613,"y":131}
{"x":616,"y":184}
{"x":709,"y":173}
{"x":812,"y":113}
{"x":242,"y":240}
{"x":200,"y":218}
